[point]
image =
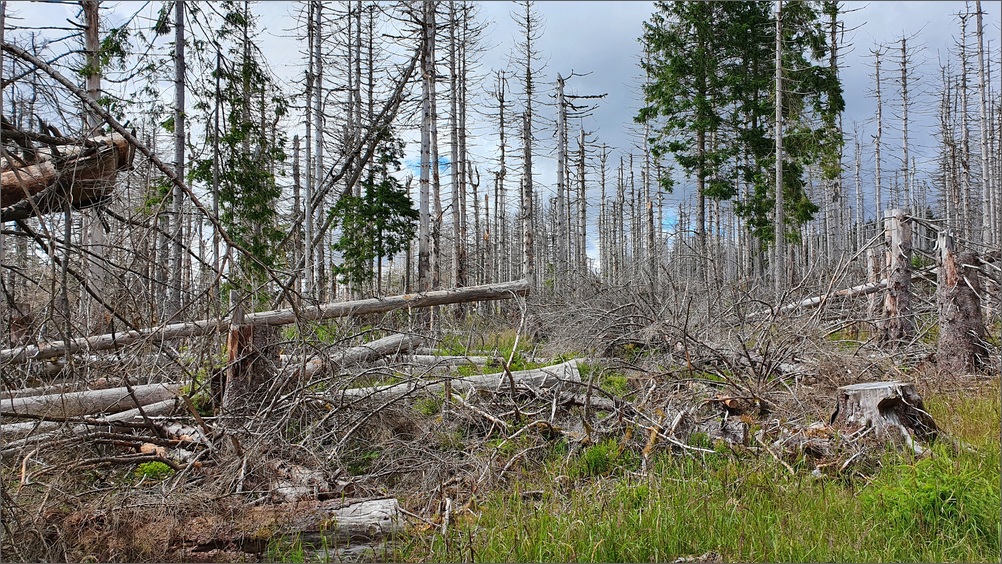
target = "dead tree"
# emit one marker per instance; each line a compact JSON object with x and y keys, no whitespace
{"x":961,"y":326}
{"x":898,"y":324}
{"x":893,"y":410}
{"x":81,"y":172}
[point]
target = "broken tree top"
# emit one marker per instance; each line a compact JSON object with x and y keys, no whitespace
{"x":80,"y":172}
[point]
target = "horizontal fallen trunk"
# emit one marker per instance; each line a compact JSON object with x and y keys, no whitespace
{"x":42,"y":431}
{"x":62,"y":387}
{"x":91,"y":402}
{"x":81,"y":176}
{"x":537,"y":378}
{"x":486,"y":292}
{"x":393,"y":344}
{"x":860,"y":290}
{"x":128,"y":416}
{"x":313,"y":523}
{"x":432,"y":360}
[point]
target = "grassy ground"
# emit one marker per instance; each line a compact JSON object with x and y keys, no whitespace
{"x":745,"y":506}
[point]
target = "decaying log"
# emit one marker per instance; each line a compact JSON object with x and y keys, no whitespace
{"x":893,"y":410}
{"x":128,"y":416}
{"x":91,"y":402}
{"x":961,"y":346}
{"x":537,"y":378}
{"x":314,"y":523}
{"x":334,"y":310}
{"x":82,"y":175}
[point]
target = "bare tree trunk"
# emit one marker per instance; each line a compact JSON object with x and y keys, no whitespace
{"x":968,"y":225}
{"x":455,"y":166}
{"x":860,"y":212}
{"x":93,"y":232}
{"x":560,"y":260}
{"x":427,"y":93}
{"x":582,"y":258}
{"x":961,"y":346}
{"x":779,"y":225}
{"x":177,"y":251}
{"x":528,"y":230}
{"x":877,"y":188}
{"x":909,"y":203}
{"x":313,"y":128}
{"x":988,"y":210}
{"x":898,"y":324}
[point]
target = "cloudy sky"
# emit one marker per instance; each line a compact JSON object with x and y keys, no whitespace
{"x":600,"y":38}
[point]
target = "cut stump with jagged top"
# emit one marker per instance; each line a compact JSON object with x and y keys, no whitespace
{"x":894,"y":410}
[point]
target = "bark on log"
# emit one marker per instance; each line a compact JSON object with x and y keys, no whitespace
{"x":961,"y":346}
{"x":538,"y":378}
{"x":82,"y":175}
{"x":898,"y":325}
{"x":894,"y":410}
{"x":486,"y":292}
{"x":316,"y":523}
{"x":75,"y":404}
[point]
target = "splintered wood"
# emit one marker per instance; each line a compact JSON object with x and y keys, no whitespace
{"x":961,"y":346}
{"x":79,"y":175}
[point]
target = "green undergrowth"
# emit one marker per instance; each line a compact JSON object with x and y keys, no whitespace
{"x":594,"y":505}
{"x":501,"y":344}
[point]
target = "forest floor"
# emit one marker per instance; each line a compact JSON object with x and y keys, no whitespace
{"x":676,"y":451}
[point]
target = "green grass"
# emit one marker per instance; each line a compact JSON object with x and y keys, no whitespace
{"x":745,"y":507}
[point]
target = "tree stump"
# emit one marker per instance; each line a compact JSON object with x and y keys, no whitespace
{"x":894,"y":411}
{"x":961,"y":346}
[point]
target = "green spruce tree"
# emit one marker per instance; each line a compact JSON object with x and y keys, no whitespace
{"x":378,"y":223}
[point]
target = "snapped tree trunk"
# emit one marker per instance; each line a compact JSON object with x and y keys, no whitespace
{"x":898,"y":325}
{"x":252,"y":362}
{"x":961,"y":325}
{"x":83,"y":175}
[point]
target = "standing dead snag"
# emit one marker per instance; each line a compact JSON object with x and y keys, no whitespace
{"x":894,"y":411}
{"x":898,"y":325}
{"x":251,"y":366}
{"x":961,"y":325}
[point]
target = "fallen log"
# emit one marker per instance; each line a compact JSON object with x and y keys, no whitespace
{"x":860,"y":290}
{"x":128,"y":416}
{"x":334,"y":310}
{"x":42,"y":431}
{"x":538,"y":378}
{"x":63,"y":387}
{"x":313,"y":523}
{"x":82,"y":175}
{"x":393,"y":344}
{"x":893,"y":410}
{"x":90,"y":402}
